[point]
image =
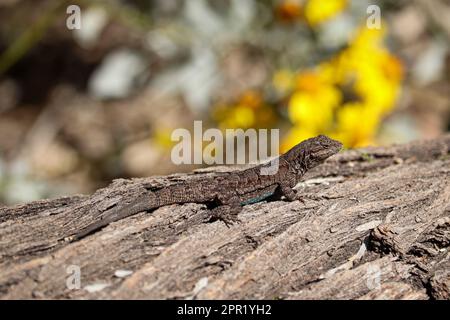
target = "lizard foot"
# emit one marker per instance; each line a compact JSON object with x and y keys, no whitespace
{"x":312,"y":197}
{"x":230,"y":219}
{"x":304,"y":197}
{"x":227,"y":214}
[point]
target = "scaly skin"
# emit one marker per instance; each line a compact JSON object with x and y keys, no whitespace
{"x":229,"y":192}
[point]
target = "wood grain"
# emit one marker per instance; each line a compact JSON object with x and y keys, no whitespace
{"x":380,"y":231}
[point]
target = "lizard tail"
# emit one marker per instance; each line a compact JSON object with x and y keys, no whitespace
{"x":142,"y":203}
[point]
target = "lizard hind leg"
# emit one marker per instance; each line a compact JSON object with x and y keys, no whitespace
{"x":227,"y":211}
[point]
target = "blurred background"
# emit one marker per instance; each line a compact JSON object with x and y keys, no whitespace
{"x":81,"y":107}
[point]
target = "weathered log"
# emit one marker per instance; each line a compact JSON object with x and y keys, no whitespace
{"x":380,"y":231}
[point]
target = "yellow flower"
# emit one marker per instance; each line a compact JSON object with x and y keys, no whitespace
{"x":239,"y":117}
{"x":295,"y":136}
{"x":356,"y":125}
{"x":249,"y":111}
{"x":302,"y":109}
{"x":283,"y":81}
{"x":369,"y":76}
{"x":318,"y":11}
{"x":251,"y":99}
{"x":162,"y":137}
{"x":309,"y":81}
{"x":305,"y":111}
{"x":391,"y":66}
{"x":313,"y":103}
{"x":327,"y":72}
{"x":376,"y":91}
{"x":367,"y":39}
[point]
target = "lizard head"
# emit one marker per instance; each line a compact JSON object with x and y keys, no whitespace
{"x":312,"y":152}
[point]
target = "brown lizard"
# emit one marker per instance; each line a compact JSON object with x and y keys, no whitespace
{"x":229,"y":192}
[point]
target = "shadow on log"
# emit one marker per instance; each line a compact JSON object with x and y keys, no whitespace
{"x":380,"y":231}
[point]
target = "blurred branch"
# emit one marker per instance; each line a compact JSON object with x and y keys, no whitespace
{"x":124,"y":13}
{"x":30,"y":37}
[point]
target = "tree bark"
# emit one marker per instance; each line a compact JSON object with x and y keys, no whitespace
{"x":380,"y":230}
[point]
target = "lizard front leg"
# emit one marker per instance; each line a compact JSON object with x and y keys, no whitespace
{"x":291,"y":195}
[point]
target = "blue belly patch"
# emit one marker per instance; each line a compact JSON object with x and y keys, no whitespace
{"x":257,"y":199}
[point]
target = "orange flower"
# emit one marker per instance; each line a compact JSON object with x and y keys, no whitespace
{"x":251,"y":99}
{"x":308,"y":81}
{"x":392,"y":67}
{"x":288,"y":11}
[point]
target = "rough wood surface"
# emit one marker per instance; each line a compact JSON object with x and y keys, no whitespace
{"x":382,"y":231}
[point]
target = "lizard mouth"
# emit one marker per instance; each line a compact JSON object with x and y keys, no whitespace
{"x":328,"y":152}
{"x":324,"y":154}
